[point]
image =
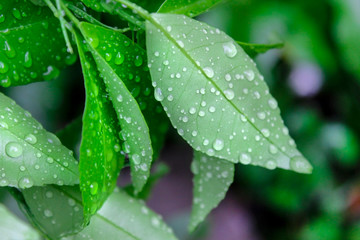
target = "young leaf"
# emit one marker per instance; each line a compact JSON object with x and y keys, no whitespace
{"x":122,"y":67}
{"x":129,"y":62}
{"x":253,"y":49}
{"x":100,"y":156}
{"x":56,"y":211}
{"x":32,"y":46}
{"x":190,"y":8}
{"x":13,"y":228}
{"x":212,"y":179}
{"x":125,"y":218}
{"x":29,"y":155}
{"x":215,"y":96}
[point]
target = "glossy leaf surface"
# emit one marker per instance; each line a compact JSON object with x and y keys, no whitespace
{"x":12,"y":227}
{"x":212,"y":179}
{"x":125,"y":218}
{"x":134,"y":129}
{"x":29,"y":155}
{"x":55,"y":210}
{"x":100,"y":156}
{"x":32,"y":45}
{"x":253,"y":49}
{"x":190,"y":8}
{"x":215,"y":96}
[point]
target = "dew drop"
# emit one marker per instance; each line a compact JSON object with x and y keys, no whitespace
{"x":48,"y":213}
{"x":30,"y":138}
{"x":4,"y":125}
{"x":25,"y":182}
{"x":94,"y":188}
{"x":119,"y":58}
{"x":229,"y":94}
{"x":94,"y":41}
{"x":265,"y":132}
{"x":270,"y":164}
{"x":108,"y":57}
{"x":135,"y":158}
{"x":245,"y":158}
{"x":119,"y":98}
{"x":13,"y":149}
{"x":261,"y":115}
{"x":9,"y":51}
{"x":272,"y":103}
{"x":299,"y":164}
{"x":138,"y":61}
{"x":249,"y":74}
{"x":228,"y":77}
{"x":209,"y":72}
{"x":192,"y":110}
{"x":230,"y":49}
{"x":273,"y":149}
{"x":3,"y":67}
{"x":218,"y":144}
{"x":158,"y":94}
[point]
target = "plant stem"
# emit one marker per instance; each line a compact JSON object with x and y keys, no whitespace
{"x":62,"y":24}
{"x":137,"y":9}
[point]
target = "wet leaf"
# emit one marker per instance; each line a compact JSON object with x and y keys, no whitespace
{"x":215,"y":96}
{"x":32,"y":46}
{"x":134,"y":130}
{"x":70,"y":135}
{"x":29,"y":155}
{"x":100,"y":156}
{"x":13,"y":228}
{"x":212,"y":179}
{"x":190,"y":8}
{"x":56,"y":211}
{"x":123,"y":217}
{"x":253,"y":49}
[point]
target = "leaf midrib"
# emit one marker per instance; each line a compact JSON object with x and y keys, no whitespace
{"x":182,"y":50}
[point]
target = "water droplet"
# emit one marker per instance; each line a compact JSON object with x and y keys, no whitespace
{"x":261,"y":115}
{"x":272,"y":103}
{"x":273,"y":149}
{"x":155,"y":221}
{"x":265,"y":132}
{"x":208,"y":71}
{"x":229,"y":94}
{"x":4,"y":182}
{"x":16,"y":13}
{"x":94,"y":40}
{"x":192,"y":110}
{"x":299,"y":164}
{"x":25,"y":182}
{"x":119,"y":98}
{"x":30,"y":138}
{"x":230,"y":49}
{"x":181,"y":44}
{"x":9,"y":51}
{"x":168,"y":28}
{"x":218,"y":144}
{"x":50,"y":160}
{"x":13,"y":149}
{"x":2,"y":18}
{"x":228,"y":77}
{"x":249,"y":74}
{"x":108,"y":57}
{"x":166,"y":62}
{"x":135,"y":158}
{"x":245,"y":158}
{"x":270,"y":164}
{"x":94,"y":188}
{"x":212,"y":109}
{"x":158,"y":94}
{"x":27,"y":59}
{"x":3,"y":67}
{"x":49,"y":194}
{"x":22,"y":168}
{"x":4,"y":125}
{"x":138,"y":61}
{"x":119,"y":59}
{"x":48,"y":213}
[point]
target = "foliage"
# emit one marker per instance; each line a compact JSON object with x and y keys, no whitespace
{"x":154,"y":67}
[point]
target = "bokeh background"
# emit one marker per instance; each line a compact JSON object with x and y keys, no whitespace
{"x":316,"y":79}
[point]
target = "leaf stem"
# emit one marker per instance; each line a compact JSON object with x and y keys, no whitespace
{"x":136,"y":9}
{"x":62,"y":24}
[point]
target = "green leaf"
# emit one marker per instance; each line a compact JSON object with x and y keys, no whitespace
{"x":56,"y":211}
{"x":70,"y":135}
{"x":215,"y":96}
{"x":100,"y":156}
{"x":13,"y":228}
{"x":134,"y":129}
{"x":123,"y":217}
{"x":190,"y":8}
{"x":212,"y":179}
{"x":347,"y":31}
{"x":253,"y":49}
{"x":29,"y":155}
{"x":129,"y":62}
{"x":32,"y":45}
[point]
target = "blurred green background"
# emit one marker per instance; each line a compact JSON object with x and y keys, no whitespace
{"x":316,"y":79}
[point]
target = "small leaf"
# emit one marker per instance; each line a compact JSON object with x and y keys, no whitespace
{"x":123,"y":217}
{"x":212,"y":179}
{"x":32,"y":46}
{"x":190,"y":8}
{"x":100,"y":156}
{"x":134,"y":129}
{"x":215,"y":96}
{"x":253,"y":49}
{"x":55,"y":210}
{"x":13,"y":228}
{"x":29,"y":155}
